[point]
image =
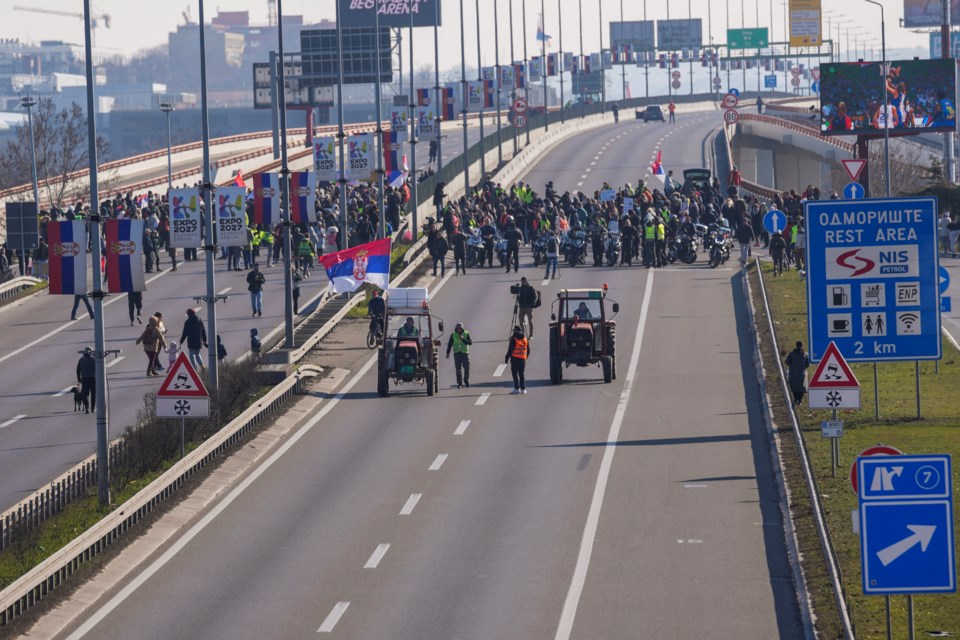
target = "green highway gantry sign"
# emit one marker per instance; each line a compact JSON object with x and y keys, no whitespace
{"x":747,"y":38}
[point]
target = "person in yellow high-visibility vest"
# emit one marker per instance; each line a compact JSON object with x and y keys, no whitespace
{"x":459,"y":343}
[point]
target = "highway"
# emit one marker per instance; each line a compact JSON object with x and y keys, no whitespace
{"x":40,"y":434}
{"x":645,"y":508}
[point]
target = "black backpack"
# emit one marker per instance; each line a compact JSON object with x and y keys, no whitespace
{"x":552,"y":244}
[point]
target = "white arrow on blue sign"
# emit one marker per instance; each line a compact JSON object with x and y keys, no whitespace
{"x":944,"y":279}
{"x":734,"y":91}
{"x":853,"y":191}
{"x":775,"y":221}
{"x":815,"y":86}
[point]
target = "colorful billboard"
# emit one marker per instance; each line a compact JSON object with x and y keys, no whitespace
{"x":921,"y":97}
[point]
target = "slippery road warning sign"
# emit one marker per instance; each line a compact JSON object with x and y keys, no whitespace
{"x":834,"y":385}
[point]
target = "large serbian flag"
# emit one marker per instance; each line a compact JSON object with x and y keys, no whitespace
{"x":303,"y":188}
{"x":125,"y":256}
{"x":350,"y":268}
{"x":266,"y":199}
{"x":449,"y":102}
{"x":68,"y":257}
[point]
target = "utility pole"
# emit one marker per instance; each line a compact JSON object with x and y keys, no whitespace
{"x":378,"y":96}
{"x":414,"y":200}
{"x":483,"y":100}
{"x":341,"y":135}
{"x":561,"y":70}
{"x":946,"y":51}
{"x":464,"y":94}
{"x":167,"y":107}
{"x":288,"y":341}
{"x":496,"y":64}
{"x":543,"y":63}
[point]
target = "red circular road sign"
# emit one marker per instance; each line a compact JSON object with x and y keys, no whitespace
{"x":520,"y":105}
{"x":675,"y":75}
{"x":730,"y":101}
{"x":795,"y":81}
{"x":879,"y":450}
{"x":520,"y":121}
{"x":675,"y":84}
{"x":730,"y":116}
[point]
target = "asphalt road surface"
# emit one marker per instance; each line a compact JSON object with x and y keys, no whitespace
{"x":41,"y":436}
{"x":645,"y":508}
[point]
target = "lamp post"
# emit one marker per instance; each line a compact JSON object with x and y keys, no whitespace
{"x":483,"y":99}
{"x":466,"y":104}
{"x":28,"y":103}
{"x":167,"y":107}
{"x":288,"y":337}
{"x":886,"y":98}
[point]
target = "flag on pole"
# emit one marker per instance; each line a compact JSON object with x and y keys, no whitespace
{"x":449,"y":103}
{"x":541,"y":36}
{"x":124,"y":240}
{"x":391,"y":143}
{"x":350,"y":268}
{"x":266,"y":199}
{"x":520,"y":75}
{"x":67,"y":242}
{"x":657,"y":168}
{"x":423,"y":97}
{"x":553,"y":62}
{"x":303,"y":187}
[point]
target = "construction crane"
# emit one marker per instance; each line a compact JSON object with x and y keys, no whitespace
{"x":97,"y":20}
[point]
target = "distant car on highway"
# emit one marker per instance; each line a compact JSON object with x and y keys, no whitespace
{"x":695,"y":180}
{"x":651,"y":112}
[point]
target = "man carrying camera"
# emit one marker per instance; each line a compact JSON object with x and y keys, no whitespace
{"x":527,"y":301}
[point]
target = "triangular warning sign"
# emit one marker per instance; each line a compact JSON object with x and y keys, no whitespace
{"x":833,"y":372}
{"x":182,"y":381}
{"x":854,"y":167}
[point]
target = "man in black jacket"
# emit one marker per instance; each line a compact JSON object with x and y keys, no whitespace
{"x":526,"y":301}
{"x":514,"y":237}
{"x":87,"y":379}
{"x":194,"y":336}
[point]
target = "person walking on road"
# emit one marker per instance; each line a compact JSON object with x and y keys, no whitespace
{"x":526,"y":302}
{"x":552,"y":255}
{"x":672,"y":109}
{"x":87,"y":379}
{"x":518,"y":350}
{"x":744,"y":236}
{"x":797,"y":364}
{"x":759,"y":104}
{"x":163,"y":331}
{"x":459,"y":343}
{"x":76,"y":305}
{"x":255,"y":282}
{"x":616,"y":111}
{"x":194,"y":335}
{"x":152,"y":341}
{"x":135,"y":303}
{"x":514,"y":237}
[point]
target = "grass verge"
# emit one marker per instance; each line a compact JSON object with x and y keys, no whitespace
{"x":937,"y":431}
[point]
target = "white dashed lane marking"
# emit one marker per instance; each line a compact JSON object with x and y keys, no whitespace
{"x":12,"y":420}
{"x":462,"y":428}
{"x":377,"y":556}
{"x":58,"y":394}
{"x":115,"y":361}
{"x":500,"y":369}
{"x":331,"y":621}
{"x":410,"y":504}
{"x":482,"y":399}
{"x":438,"y":462}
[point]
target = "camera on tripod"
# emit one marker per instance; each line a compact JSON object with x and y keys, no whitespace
{"x":515,"y":289}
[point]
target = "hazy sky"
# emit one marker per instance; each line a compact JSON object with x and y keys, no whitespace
{"x":144,"y":23}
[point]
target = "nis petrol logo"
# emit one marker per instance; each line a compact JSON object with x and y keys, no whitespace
{"x":889,"y":261}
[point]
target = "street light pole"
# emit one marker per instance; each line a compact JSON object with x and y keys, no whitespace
{"x":483,"y":100}
{"x":496,"y":64}
{"x":466,"y":106}
{"x":167,"y":107}
{"x":886,"y":99}
{"x":288,"y":338}
{"x":560,"y":65}
{"x":28,"y":103}
{"x":103,"y":414}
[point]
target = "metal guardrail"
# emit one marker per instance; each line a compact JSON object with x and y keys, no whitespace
{"x":13,"y":288}
{"x":27,"y":591}
{"x":820,"y":518}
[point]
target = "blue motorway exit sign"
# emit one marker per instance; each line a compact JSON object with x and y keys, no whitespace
{"x":872,"y":270}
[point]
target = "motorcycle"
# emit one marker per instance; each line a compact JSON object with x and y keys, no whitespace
{"x":539,"y":248}
{"x":719,"y":243}
{"x":612,"y":249}
{"x":474,"y":248}
{"x":574,"y":247}
{"x":500,"y":248}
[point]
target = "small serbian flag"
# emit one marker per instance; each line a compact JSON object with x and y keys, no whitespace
{"x":303,"y":187}
{"x":657,"y":168}
{"x":553,"y":61}
{"x":423,"y":97}
{"x":449,"y":104}
{"x":266,"y":199}
{"x":124,"y":256}
{"x":520,"y":75}
{"x":68,"y":257}
{"x":350,"y":268}
{"x":489,"y":94}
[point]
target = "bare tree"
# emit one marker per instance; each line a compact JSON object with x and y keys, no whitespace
{"x":911,"y":168}
{"x":60,"y":140}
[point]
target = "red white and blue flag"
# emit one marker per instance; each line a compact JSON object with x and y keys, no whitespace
{"x":350,"y":268}
{"x":553,"y":61}
{"x":520,"y":75}
{"x":392,"y":144}
{"x":423,"y":97}
{"x":449,"y":104}
{"x":124,"y":256}
{"x":657,"y":168}
{"x":541,"y":35}
{"x":68,"y":257}
{"x":303,"y":188}
{"x":266,"y":199}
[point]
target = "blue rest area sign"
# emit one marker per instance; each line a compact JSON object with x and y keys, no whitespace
{"x":872,"y":276}
{"x":906,"y":524}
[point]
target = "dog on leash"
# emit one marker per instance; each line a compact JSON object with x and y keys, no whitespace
{"x":80,"y":401}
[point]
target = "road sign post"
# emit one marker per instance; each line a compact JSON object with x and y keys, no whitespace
{"x":775,"y":221}
{"x":833,"y":429}
{"x":182,"y":395}
{"x":834,"y":385}
{"x":906,"y":525}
